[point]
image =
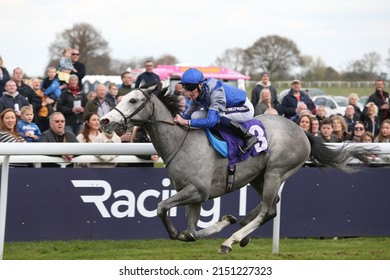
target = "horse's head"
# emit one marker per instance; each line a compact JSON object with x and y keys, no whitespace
{"x":133,"y":109}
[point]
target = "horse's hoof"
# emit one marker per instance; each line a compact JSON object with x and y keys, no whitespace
{"x":231,"y":219}
{"x":224,"y":249}
{"x":245,"y":241}
{"x":187,"y":236}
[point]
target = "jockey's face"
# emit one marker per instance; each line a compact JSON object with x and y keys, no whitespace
{"x":193,"y":94}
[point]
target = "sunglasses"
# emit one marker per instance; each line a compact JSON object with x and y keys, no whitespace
{"x":59,"y":121}
{"x":359,"y":128}
{"x":190,"y":87}
{"x":75,"y":54}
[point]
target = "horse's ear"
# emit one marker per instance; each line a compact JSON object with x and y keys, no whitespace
{"x":151,"y":86}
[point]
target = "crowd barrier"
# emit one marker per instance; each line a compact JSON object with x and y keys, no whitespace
{"x":18,"y":153}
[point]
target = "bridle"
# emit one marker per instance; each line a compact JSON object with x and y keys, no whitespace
{"x":129,"y":119}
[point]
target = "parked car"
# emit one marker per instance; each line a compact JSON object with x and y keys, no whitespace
{"x":341,"y":100}
{"x":311,"y":91}
{"x":331,"y":105}
{"x":362,"y":102}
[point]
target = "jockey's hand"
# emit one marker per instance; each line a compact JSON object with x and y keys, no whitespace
{"x":178,"y":119}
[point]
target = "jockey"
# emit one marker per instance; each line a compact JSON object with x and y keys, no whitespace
{"x":216,"y":103}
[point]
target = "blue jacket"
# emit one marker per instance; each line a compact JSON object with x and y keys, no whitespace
{"x":24,"y":127}
{"x":215,"y":98}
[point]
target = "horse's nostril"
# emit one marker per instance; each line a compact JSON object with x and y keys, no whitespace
{"x":104,"y":121}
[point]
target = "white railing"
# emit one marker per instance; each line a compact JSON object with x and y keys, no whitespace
{"x":33,"y":153}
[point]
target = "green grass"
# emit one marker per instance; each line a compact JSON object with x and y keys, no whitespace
{"x":344,"y":91}
{"x":164,"y":249}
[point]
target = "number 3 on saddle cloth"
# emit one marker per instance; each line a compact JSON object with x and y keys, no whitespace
{"x":228,"y":147}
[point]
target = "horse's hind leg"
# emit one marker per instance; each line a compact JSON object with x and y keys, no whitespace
{"x":266,"y":211}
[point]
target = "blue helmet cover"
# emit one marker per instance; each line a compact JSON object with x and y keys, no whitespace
{"x":192,"y":76}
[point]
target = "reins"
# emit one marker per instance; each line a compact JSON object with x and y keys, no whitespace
{"x":129,"y":119}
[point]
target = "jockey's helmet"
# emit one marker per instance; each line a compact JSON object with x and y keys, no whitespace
{"x":192,"y":76}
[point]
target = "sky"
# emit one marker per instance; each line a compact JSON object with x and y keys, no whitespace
{"x":196,"y":32}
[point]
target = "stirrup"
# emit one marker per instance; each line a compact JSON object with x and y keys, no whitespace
{"x":245,"y":148}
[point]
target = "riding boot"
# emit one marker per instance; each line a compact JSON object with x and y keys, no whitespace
{"x":239,"y":131}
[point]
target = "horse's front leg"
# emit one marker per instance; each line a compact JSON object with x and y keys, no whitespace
{"x":188,"y":195}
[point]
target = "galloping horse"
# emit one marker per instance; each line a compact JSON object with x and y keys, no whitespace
{"x":199,"y":173}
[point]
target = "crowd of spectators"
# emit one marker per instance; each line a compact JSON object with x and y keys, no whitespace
{"x":55,"y":109}
{"x":370,"y":124}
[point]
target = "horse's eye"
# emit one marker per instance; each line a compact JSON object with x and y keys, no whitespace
{"x":133,"y":100}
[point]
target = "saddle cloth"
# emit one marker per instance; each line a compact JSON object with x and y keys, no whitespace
{"x":229,"y":146}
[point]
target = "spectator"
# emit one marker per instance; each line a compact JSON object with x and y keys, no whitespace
{"x":321,"y":113}
{"x":25,"y":89}
{"x":264,"y":102}
{"x":51,"y":85}
{"x":315,"y":126}
{"x":79,"y":66}
{"x":357,"y":132}
{"x":57,"y":133}
{"x":99,"y":105}
{"x":326,"y":129}
{"x":148,"y":76}
{"x":305,"y":122}
{"x":381,"y":99}
{"x":301,"y":107}
{"x":92,"y":133}
{"x":367,"y":137}
{"x":46,"y":107}
{"x":26,"y":127}
{"x":71,"y":103}
{"x":264,"y":83}
{"x":340,"y":128}
{"x":12,"y":99}
{"x":370,"y":118}
{"x":4,"y":75}
{"x":112,"y":94}
{"x":91,"y":95}
{"x":8,"y":127}
{"x":384,"y":132}
{"x":65,"y":66}
{"x":290,"y":101}
{"x":91,"y":128}
{"x":127,"y":83}
{"x":350,"y":117}
{"x":353,"y":99}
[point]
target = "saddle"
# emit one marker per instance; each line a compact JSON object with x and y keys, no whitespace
{"x":227,"y":145}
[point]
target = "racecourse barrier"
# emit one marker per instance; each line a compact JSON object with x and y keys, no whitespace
{"x":120,"y":203}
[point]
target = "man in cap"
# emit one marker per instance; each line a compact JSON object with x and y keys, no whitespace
{"x":290,"y":103}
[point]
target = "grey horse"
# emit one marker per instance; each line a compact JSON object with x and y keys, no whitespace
{"x":199,"y":173}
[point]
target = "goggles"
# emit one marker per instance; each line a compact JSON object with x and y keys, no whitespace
{"x":190,"y":87}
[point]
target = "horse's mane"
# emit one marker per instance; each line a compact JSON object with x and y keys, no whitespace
{"x":171,"y":101}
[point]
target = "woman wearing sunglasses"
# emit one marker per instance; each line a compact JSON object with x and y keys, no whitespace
{"x":214,"y":103}
{"x":357,"y":132}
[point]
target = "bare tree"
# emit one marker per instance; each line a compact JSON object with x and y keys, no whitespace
{"x":274,"y":54}
{"x":372,"y":61}
{"x":166,"y":59}
{"x":91,"y":45}
{"x":232,"y":59}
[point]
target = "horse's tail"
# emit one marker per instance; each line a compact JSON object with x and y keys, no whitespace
{"x":324,"y":156}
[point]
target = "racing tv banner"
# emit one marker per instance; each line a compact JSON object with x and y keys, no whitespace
{"x":121,"y":203}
